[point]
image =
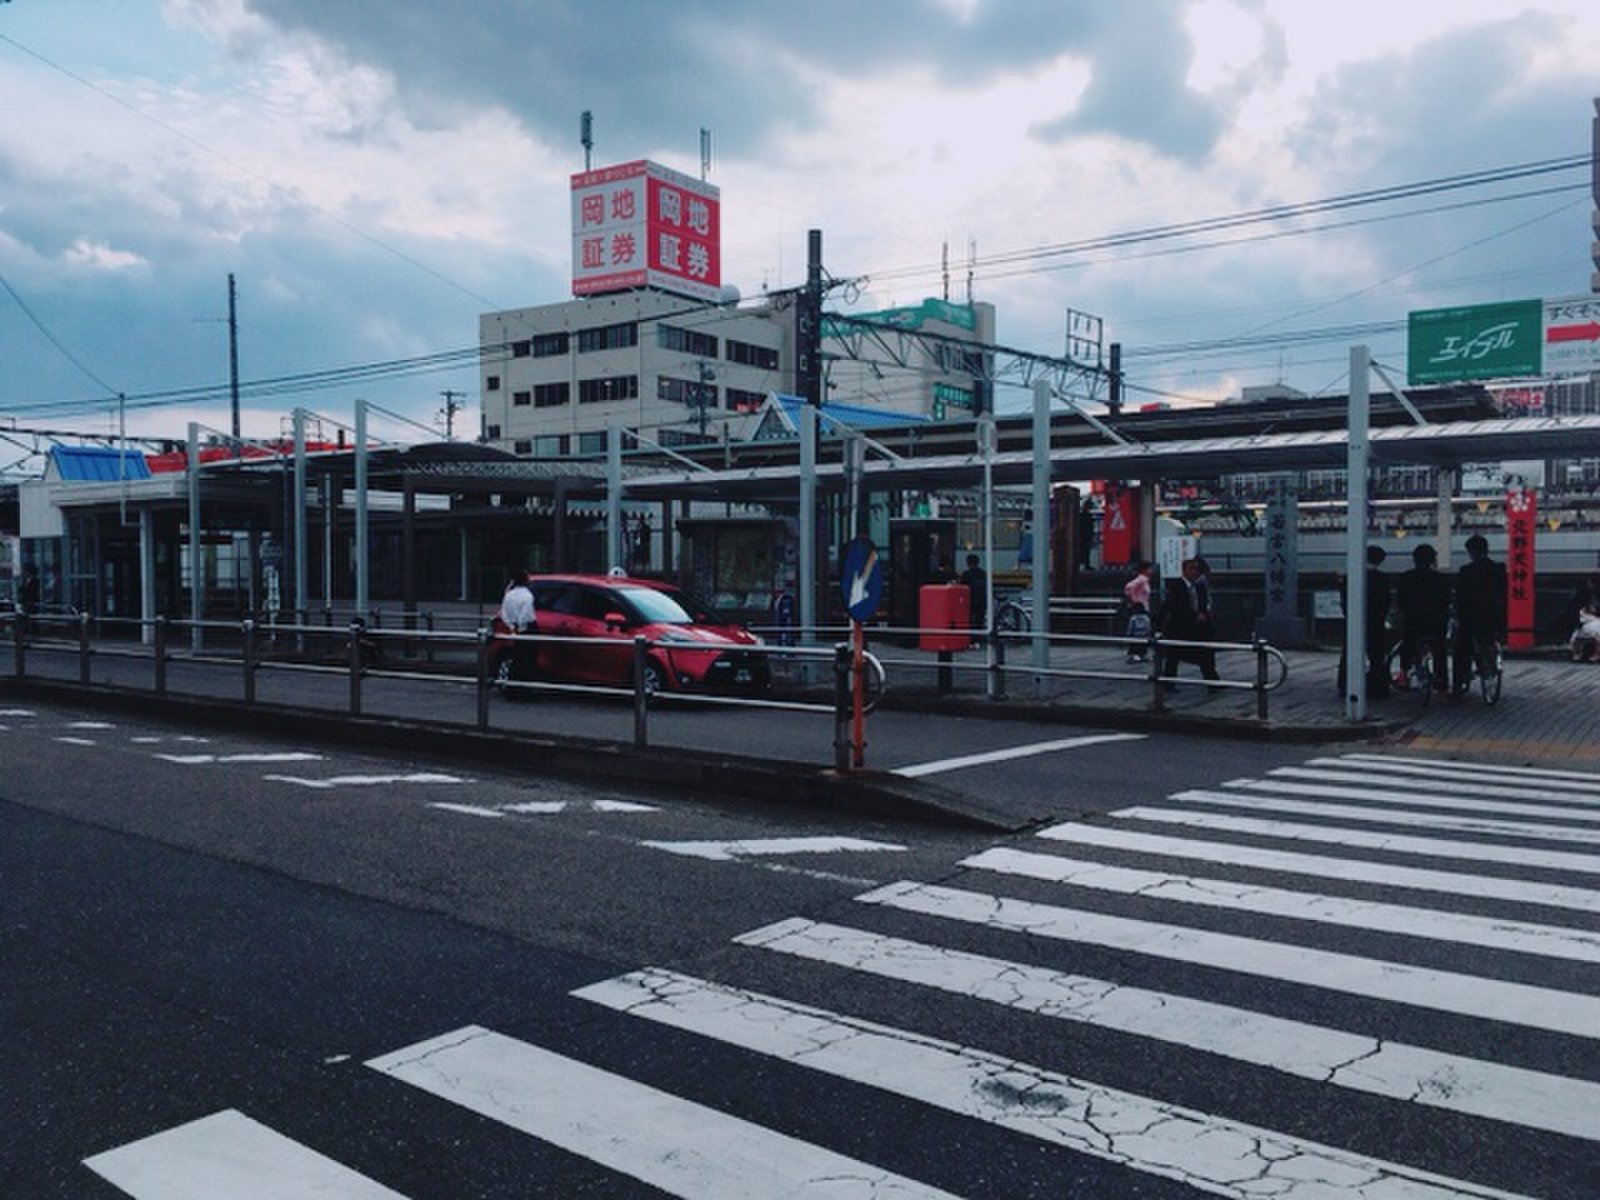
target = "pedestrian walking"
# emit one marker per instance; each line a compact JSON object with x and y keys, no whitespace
{"x":977,"y":581}
{"x":518,"y":616}
{"x":1186,"y":616}
{"x":1136,"y":601}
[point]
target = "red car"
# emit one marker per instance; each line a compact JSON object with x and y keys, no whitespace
{"x":691,"y":647}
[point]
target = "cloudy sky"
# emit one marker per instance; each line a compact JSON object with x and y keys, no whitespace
{"x":376,"y":175}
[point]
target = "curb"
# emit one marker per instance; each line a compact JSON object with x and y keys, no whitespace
{"x":876,"y":794}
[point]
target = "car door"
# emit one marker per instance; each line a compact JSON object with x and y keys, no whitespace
{"x":553,"y":601}
{"x":605,"y":653}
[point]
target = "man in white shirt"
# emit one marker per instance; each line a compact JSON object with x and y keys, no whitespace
{"x":517,"y":614}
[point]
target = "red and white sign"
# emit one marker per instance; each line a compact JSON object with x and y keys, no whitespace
{"x":640,"y":224}
{"x":1117,"y":525}
{"x":1572,"y":335}
{"x":1522,"y":514}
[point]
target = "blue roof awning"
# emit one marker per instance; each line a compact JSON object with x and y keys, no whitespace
{"x":95,"y":464}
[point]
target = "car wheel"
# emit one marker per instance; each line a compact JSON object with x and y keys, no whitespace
{"x":655,"y":678}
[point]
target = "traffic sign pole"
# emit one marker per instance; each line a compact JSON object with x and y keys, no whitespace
{"x":858,"y":734}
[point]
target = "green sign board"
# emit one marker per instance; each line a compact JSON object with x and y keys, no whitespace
{"x":1481,"y":341}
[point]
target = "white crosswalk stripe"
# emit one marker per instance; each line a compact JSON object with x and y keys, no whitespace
{"x":1358,"y":927}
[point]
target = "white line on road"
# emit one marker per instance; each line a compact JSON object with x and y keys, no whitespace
{"x":1461,"y":776}
{"x":1395,"y":816}
{"x":17,"y":712}
{"x":757,"y":847}
{"x":76,"y":741}
{"x":1541,"y":774}
{"x":539,"y":808}
{"x":1380,"y":979}
{"x":90,"y":725}
{"x":1210,"y":1153}
{"x":270,"y":757}
{"x":1367,"y":839}
{"x":471,"y":810}
{"x":994,"y":756}
{"x":684,"y":1148}
{"x":1362,"y":1063}
{"x":365,"y":780}
{"x":1497,"y":933}
{"x":1352,"y":870}
{"x":1456,"y":801}
{"x":228,"y":1154}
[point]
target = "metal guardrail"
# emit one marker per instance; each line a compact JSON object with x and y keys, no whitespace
{"x":357,"y":653}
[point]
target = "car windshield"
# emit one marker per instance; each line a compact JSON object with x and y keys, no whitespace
{"x":658,"y":608}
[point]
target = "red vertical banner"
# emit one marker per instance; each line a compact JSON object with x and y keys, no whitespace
{"x":1118,"y":526}
{"x":1522,"y":513}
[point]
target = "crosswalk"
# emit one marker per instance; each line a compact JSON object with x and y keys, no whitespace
{"x":1361,"y":977}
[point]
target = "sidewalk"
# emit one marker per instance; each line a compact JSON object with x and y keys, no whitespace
{"x":1549,"y":709}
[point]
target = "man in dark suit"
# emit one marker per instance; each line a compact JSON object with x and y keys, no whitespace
{"x":1186,"y":617}
{"x":1480,"y":606}
{"x":1423,"y":596}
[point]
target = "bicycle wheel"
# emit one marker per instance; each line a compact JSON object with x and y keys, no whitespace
{"x":1012,"y":618}
{"x":1490,"y":671}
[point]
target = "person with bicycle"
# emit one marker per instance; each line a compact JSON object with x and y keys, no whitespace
{"x":1423,"y":597}
{"x":1480,"y":609}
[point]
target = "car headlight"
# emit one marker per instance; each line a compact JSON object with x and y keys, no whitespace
{"x":673,"y":637}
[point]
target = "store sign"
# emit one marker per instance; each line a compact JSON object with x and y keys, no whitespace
{"x":640,"y":224}
{"x":1522,"y":517}
{"x":1483,"y":341}
{"x":1514,"y":340}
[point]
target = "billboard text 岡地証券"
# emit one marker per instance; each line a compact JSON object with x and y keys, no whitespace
{"x":640,"y":224}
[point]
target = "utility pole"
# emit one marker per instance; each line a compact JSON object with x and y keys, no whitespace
{"x":451,"y":407}
{"x":233,"y":357}
{"x":808,"y":326}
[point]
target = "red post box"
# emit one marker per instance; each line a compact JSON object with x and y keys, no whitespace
{"x":944,"y":606}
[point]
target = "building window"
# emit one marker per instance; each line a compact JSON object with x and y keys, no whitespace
{"x":740,"y":400}
{"x":549,"y":345}
{"x":521,"y":349}
{"x":521,"y":399}
{"x":550,"y":446}
{"x":612,"y":387}
{"x":491,"y":383}
{"x":551,"y":395}
{"x":522,"y":447}
{"x":592,"y":443}
{"x":750,"y":355}
{"x":492,"y":432}
{"x":687,"y":341}
{"x":608,"y":337}
{"x":685,"y":391}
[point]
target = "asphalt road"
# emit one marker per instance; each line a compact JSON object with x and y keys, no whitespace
{"x":1332,"y":974}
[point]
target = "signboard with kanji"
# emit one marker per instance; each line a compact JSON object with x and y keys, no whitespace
{"x":1572,"y":335}
{"x":1521,"y":517}
{"x":641,"y":224}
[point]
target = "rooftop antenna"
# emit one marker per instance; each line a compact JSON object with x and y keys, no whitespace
{"x":586,"y":136}
{"x":944,"y":268}
{"x":705,"y":152}
{"x":972,"y":264}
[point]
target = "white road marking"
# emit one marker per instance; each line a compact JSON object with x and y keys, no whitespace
{"x":755,"y":847}
{"x":228,"y":1154}
{"x":1213,"y":1154}
{"x":76,"y":741}
{"x":471,"y":810}
{"x":17,"y":712}
{"x":272,"y":757}
{"x":1465,"y":777}
{"x":90,"y":725}
{"x":1497,"y":933}
{"x":1398,"y":843}
{"x":1353,"y":870}
{"x":1456,"y":801}
{"x":1356,"y":1061}
{"x":677,"y":1145}
{"x":1479,"y":768}
{"x":1394,"y":816}
{"x":334,"y":781}
{"x":994,"y":756}
{"x":538,"y":808}
{"x":1380,"y":979}
{"x":156,"y":739}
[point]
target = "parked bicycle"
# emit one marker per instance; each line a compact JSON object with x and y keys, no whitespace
{"x":1418,"y":665}
{"x":1488,"y":669}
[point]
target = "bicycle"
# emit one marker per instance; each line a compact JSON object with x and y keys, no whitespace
{"x":1488,"y":666}
{"x":1424,"y":668}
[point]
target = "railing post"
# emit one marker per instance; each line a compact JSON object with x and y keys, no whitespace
{"x":997,"y":666}
{"x":249,"y":661}
{"x":355,"y":667}
{"x":1260,"y":648}
{"x":947,"y":674}
{"x":841,"y":707}
{"x":1157,"y":684}
{"x":641,"y":697}
{"x":483,"y":678}
{"x":83,"y":647}
{"x":19,"y":643}
{"x":161,"y":656}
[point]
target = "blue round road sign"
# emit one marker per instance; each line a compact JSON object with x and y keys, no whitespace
{"x":862,"y":579}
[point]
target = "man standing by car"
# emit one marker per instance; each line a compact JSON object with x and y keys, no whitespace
{"x":517,"y":615}
{"x":1480,"y":606}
